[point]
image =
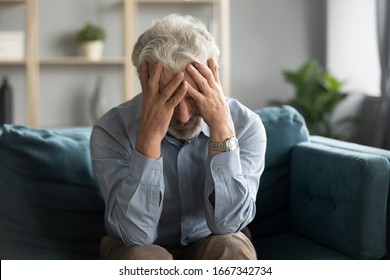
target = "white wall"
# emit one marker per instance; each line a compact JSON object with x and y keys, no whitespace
{"x":268,"y":36}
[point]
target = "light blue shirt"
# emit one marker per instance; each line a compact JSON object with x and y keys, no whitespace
{"x":165,"y":201}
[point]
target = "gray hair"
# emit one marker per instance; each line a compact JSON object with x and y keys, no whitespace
{"x":175,"y":41}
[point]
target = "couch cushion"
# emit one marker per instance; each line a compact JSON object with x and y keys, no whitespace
{"x":50,"y":205}
{"x":292,"y":246}
{"x":285,"y":127}
{"x":339,"y":198}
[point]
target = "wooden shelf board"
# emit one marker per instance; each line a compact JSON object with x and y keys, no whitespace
{"x":12,"y":62}
{"x":12,"y":1}
{"x":80,"y":61}
{"x":178,"y":1}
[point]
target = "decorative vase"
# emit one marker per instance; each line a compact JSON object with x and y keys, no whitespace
{"x":5,"y":102}
{"x":93,"y":50}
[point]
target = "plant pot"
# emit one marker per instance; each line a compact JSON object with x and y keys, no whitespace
{"x":93,"y":50}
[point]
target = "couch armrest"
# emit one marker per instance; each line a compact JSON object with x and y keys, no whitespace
{"x":349,"y":146}
{"x":339,"y":198}
{"x":365,"y":149}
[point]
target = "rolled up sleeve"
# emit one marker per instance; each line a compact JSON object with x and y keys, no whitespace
{"x":234,"y":178}
{"x":132,"y":186}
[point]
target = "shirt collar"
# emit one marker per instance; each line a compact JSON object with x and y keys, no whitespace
{"x":205,"y":129}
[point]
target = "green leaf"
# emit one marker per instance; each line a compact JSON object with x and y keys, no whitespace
{"x":317,"y":93}
{"x":91,"y":32}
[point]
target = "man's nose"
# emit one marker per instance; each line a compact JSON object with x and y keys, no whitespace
{"x":183,"y":112}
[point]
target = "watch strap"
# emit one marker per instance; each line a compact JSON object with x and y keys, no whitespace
{"x":224,"y":146}
{"x":218,"y":146}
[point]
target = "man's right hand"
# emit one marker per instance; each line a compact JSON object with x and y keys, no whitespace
{"x":157,"y":108}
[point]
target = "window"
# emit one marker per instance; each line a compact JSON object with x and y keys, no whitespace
{"x":352,"y":48}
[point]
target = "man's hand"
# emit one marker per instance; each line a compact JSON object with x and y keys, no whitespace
{"x":157,"y":108}
{"x":210,"y":100}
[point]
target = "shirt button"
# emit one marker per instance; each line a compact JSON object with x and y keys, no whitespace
{"x":156,"y":172}
{"x":216,"y":167}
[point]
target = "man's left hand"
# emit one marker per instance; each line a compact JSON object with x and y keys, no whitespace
{"x":210,"y":100}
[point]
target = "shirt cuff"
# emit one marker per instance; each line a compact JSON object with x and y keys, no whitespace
{"x":145,"y":170}
{"x":225,"y":165}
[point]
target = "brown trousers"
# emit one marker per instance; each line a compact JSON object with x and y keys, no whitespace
{"x":233,"y":246}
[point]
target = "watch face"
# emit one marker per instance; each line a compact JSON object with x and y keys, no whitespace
{"x":232,"y":144}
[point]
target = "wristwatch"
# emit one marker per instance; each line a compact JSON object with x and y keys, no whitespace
{"x":229,"y":144}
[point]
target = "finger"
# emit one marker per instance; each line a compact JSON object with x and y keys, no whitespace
{"x":179,"y":95}
{"x":206,"y":72}
{"x":200,"y":80}
{"x":172,"y":85}
{"x":155,"y":76}
{"x":214,"y":69}
{"x":192,"y":92}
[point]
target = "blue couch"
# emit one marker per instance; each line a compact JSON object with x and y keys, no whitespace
{"x":318,"y":198}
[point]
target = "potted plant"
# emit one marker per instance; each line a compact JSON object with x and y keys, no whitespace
{"x":91,"y":37}
{"x":317,"y":93}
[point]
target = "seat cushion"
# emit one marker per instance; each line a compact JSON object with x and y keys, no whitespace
{"x":50,"y":204}
{"x":285,"y":127}
{"x":292,"y":246}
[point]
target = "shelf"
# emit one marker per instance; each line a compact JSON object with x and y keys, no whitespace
{"x":12,"y":1}
{"x":119,"y":64}
{"x":13,"y":61}
{"x":179,"y":1}
{"x":78,"y":60}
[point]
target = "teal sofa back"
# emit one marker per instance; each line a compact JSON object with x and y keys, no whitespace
{"x":285,"y":128}
{"x":50,"y":206}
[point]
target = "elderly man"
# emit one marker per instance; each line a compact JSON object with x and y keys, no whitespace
{"x":179,"y":165}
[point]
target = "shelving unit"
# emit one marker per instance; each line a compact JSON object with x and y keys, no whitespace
{"x":81,"y":61}
{"x":34,"y":63}
{"x":13,"y":62}
{"x":30,"y":61}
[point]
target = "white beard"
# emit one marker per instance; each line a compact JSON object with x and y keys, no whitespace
{"x":186,"y":131}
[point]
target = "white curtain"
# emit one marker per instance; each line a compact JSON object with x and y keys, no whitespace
{"x":383,"y":20}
